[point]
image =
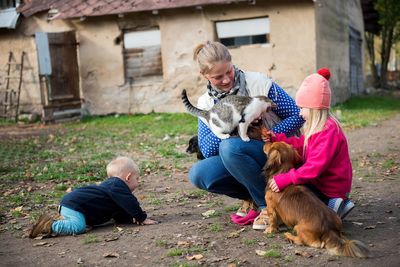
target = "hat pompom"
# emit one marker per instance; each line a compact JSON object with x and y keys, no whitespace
{"x":324,"y":72}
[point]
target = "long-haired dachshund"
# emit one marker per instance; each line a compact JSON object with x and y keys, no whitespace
{"x":297,"y":207}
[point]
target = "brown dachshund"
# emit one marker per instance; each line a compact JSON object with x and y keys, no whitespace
{"x":297,"y":207}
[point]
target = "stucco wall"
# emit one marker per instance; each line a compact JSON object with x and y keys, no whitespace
{"x":303,"y":36}
{"x":333,"y":19}
{"x":18,"y":42}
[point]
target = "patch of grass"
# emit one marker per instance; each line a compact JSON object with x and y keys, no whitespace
{"x":61,"y":187}
{"x":185,"y":264}
{"x":214,"y":214}
{"x":153,"y":199}
{"x":176,"y":252}
{"x":288,"y":259}
{"x":216,"y":203}
{"x":250,"y":242}
{"x":270,"y":235}
{"x":232,"y":208}
{"x":184,"y":251}
{"x":389,"y":163}
{"x":161,"y":243}
{"x":16,"y":213}
{"x":215,"y":227}
{"x":197,"y":193}
{"x":272,"y":253}
{"x":89,"y":239}
{"x":362,"y":111}
{"x":16,"y":200}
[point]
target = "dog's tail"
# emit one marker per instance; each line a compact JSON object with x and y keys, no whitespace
{"x":343,"y":247}
{"x":192,"y":109}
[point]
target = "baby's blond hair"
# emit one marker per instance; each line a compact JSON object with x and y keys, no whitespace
{"x":210,"y":53}
{"x":121,"y":166}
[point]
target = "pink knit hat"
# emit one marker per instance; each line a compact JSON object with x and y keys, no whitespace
{"x":314,"y":91}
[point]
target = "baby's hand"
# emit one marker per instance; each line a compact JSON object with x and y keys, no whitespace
{"x":149,"y":222}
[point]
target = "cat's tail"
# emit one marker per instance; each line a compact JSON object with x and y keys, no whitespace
{"x":192,"y":109}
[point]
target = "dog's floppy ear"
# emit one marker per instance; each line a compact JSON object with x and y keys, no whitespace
{"x":274,"y":158}
{"x":267,"y":147}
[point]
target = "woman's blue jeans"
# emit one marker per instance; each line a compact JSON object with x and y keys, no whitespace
{"x":235,"y":172}
{"x":73,"y":223}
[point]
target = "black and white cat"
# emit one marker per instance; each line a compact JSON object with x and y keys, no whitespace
{"x":231,"y":112}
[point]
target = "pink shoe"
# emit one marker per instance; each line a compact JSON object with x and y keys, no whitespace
{"x":248,"y":219}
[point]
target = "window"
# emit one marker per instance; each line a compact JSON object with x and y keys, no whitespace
{"x":4,"y":4}
{"x":142,"y":54}
{"x":243,"y":32}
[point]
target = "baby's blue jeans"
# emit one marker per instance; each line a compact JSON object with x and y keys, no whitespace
{"x":73,"y":223}
{"x":235,"y":172}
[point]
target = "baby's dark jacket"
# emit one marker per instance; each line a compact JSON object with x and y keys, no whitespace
{"x":110,"y":199}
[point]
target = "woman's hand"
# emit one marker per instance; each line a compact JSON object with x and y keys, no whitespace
{"x":273,"y":186}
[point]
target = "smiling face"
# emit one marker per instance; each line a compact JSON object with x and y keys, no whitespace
{"x":221,"y":76}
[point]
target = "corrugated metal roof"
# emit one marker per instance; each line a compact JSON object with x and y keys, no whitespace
{"x":62,"y":9}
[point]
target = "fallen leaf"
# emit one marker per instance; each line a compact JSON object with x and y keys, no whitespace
{"x":208,"y":213}
{"x":18,"y":208}
{"x":111,"y":255}
{"x":120,"y":229}
{"x":370,"y":227}
{"x":236,"y":233}
{"x":184,"y":244}
{"x":260,"y":252}
{"x":357,"y":223}
{"x":111,"y":238}
{"x":39,"y":244}
{"x":79,"y":261}
{"x":194,"y":257}
{"x":303,"y":253}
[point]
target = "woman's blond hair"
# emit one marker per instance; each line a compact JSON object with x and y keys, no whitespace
{"x":121,"y":166}
{"x":316,"y":122}
{"x":210,"y":53}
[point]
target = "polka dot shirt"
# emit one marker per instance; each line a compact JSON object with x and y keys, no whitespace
{"x":286,"y":110}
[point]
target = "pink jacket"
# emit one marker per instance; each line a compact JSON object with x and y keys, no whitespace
{"x":326,"y":160}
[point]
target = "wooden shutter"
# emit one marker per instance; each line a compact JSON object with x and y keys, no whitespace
{"x":143,"y":62}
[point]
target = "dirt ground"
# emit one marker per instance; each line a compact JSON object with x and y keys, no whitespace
{"x":215,"y":241}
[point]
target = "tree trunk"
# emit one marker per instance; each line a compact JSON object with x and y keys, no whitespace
{"x":370,"y":37}
{"x":387,"y":41}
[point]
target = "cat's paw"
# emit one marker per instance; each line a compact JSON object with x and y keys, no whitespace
{"x":223,"y":136}
{"x":246,"y":139}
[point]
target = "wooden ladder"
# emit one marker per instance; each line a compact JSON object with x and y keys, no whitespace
{"x":10,"y":95}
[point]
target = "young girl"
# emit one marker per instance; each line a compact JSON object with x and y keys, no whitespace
{"x":327,"y":167}
{"x":233,"y":167}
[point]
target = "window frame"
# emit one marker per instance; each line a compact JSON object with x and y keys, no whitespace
{"x":130,"y":76}
{"x":251,"y":37}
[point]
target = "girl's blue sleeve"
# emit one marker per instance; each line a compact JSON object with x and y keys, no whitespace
{"x":208,"y":141}
{"x":287,"y":110}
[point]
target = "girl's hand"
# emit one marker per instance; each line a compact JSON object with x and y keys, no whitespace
{"x":266,"y":135}
{"x":273,"y":186}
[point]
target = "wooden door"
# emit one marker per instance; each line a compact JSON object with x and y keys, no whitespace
{"x":64,"y":79}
